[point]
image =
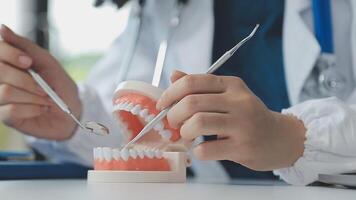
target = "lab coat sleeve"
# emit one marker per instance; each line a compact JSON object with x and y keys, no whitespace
{"x":330,"y":145}
{"x":79,"y":148}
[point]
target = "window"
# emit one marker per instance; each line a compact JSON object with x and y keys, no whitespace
{"x":80,"y":33}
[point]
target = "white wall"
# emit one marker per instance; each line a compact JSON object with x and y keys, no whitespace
{"x":78,"y":27}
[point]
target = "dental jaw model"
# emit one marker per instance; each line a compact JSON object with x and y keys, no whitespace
{"x":159,"y":156}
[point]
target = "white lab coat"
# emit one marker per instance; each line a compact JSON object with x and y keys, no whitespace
{"x":331,"y":123}
{"x":331,"y":135}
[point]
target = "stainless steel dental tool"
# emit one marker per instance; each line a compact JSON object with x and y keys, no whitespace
{"x":93,"y":127}
{"x":211,"y":70}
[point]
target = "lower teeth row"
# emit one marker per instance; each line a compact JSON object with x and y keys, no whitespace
{"x":108,"y":154}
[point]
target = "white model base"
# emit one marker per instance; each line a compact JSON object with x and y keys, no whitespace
{"x":177,"y":160}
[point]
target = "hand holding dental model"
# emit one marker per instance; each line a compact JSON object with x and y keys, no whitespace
{"x":23,"y":103}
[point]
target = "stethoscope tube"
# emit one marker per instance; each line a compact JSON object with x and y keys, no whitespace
{"x":135,"y":27}
{"x":329,"y":81}
{"x":322,"y":24}
{"x":164,"y":44}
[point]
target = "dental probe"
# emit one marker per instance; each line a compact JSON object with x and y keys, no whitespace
{"x":211,"y":70}
{"x":93,"y":127}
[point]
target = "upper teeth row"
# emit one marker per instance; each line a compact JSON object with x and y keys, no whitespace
{"x":108,"y":153}
{"x":143,"y":113}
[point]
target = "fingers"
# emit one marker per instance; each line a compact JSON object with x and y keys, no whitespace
{"x":191,"y":84}
{"x":38,"y":55}
{"x":213,"y":150}
{"x":17,"y":78}
{"x":12,"y":112}
{"x":195,"y":103}
{"x":10,"y":95}
{"x":177,"y":75}
{"x":206,"y":124}
{"x":12,"y":38}
{"x":13,"y":56}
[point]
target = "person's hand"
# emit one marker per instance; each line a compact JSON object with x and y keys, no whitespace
{"x":248,"y":133}
{"x":23,"y":104}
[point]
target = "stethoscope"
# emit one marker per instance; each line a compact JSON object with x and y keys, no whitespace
{"x":134,"y":29}
{"x":325,"y":80}
{"x":328,"y":81}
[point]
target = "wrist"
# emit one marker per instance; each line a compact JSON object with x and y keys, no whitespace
{"x":291,"y":132}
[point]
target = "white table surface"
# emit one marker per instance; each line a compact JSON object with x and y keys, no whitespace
{"x":79,"y":189}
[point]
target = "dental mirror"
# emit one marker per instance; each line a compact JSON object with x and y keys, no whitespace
{"x":97,"y":128}
{"x":90,"y":126}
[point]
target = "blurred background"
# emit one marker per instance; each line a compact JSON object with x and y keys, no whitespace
{"x":76,"y":40}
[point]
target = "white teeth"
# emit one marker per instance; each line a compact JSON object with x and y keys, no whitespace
{"x":107,"y":153}
{"x":149,"y":118}
{"x":159,"y":126}
{"x":116,"y":154}
{"x":140,"y":153}
{"x":124,"y":105}
{"x":166,"y":134}
{"x":149,"y":153}
{"x":99,"y":153}
{"x":158,"y":154}
{"x":129,"y":107}
{"x":136,"y":109}
{"x":95,"y":153}
{"x":143,"y":113}
{"x":133,"y":153}
{"x":117,"y":107}
{"x":125,"y":154}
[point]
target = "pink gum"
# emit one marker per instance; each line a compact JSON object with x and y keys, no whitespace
{"x":139,"y":164}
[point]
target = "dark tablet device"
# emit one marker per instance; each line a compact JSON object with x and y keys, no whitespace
{"x":11,"y":170}
{"x":348,"y":179}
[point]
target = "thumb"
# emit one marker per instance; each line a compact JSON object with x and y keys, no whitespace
{"x":12,"y":38}
{"x":177,"y":75}
{"x":39,"y":56}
